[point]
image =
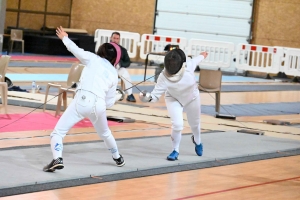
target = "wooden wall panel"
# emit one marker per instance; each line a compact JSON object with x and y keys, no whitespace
{"x":276,"y":23}
{"x":55,"y":21}
{"x":11,"y":19}
{"x":131,"y":15}
{"x":59,"y":6}
{"x":12,"y":4}
{"x":38,"y":5}
{"x":31,"y":21}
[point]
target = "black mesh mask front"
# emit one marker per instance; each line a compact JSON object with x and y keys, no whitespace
{"x":174,"y":61}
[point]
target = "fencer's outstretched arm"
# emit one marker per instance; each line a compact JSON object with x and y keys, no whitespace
{"x":159,"y":88}
{"x":192,"y":64}
{"x":83,"y":56}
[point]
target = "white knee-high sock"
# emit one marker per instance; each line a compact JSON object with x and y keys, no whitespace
{"x":56,"y":146}
{"x":111,"y":144}
{"x":176,"y":138}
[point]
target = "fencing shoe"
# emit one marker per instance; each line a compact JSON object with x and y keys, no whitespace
{"x":173,"y":156}
{"x":120,"y":161}
{"x":198,"y":148}
{"x":55,"y":164}
{"x":130,"y":98}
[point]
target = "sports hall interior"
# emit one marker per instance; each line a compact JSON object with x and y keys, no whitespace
{"x":251,"y":145}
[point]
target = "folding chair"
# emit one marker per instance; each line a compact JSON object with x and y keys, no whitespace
{"x":4,"y":60}
{"x":210,"y":81}
{"x":73,"y":77}
{"x":16,"y":36}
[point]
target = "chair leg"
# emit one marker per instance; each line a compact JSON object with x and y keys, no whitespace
{"x":2,"y":94}
{"x":5,"y":98}
{"x":218,"y":97}
{"x":122,"y":85}
{"x":58,"y":106}
{"x":11,"y":46}
{"x":46,"y":96}
{"x":65,"y":100}
{"x":22,"y":47}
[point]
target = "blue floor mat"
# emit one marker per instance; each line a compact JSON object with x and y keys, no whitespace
{"x":254,"y":109}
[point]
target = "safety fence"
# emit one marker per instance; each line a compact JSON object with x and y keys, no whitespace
{"x":258,"y":58}
{"x":219,"y":53}
{"x":248,"y":57}
{"x":292,"y":62}
{"x":128,"y":40}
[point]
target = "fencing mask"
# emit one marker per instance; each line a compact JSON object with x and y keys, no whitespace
{"x":174,"y":61}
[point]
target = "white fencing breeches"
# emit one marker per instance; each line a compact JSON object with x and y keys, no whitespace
{"x":125,"y":76}
{"x":84,"y":105}
{"x":193,"y":112}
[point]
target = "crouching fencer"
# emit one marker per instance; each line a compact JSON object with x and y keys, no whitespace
{"x":95,"y":92}
{"x":177,"y":81}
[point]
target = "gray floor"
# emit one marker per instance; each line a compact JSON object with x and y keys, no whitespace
{"x":225,"y":88}
{"x":262,"y":109}
{"x":21,"y":168}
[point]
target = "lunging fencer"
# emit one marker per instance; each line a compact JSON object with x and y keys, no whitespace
{"x":177,"y":81}
{"x":95,"y":92}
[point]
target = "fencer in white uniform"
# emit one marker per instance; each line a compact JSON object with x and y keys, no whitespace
{"x":95,"y":93}
{"x":177,"y":81}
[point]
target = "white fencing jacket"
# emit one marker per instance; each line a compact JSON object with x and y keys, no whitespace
{"x":185,"y":90}
{"x":99,"y":76}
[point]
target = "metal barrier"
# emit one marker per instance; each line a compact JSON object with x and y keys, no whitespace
{"x":259,"y":58}
{"x":219,"y":53}
{"x":102,"y":36}
{"x":249,"y":57}
{"x":128,"y":40}
{"x":157,"y":43}
{"x":292,"y":62}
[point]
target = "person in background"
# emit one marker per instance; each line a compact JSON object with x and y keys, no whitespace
{"x":121,"y":67}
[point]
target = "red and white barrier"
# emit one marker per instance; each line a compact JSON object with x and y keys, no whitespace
{"x":258,"y":58}
{"x":101,"y":36}
{"x":249,"y":57}
{"x":128,"y":40}
{"x":157,"y":43}
{"x":219,"y":53}
{"x":292,"y":62}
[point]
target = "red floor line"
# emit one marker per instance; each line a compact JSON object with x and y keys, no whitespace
{"x":238,"y":188}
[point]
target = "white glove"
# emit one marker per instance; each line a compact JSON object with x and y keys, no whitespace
{"x":145,"y":96}
{"x":120,"y":94}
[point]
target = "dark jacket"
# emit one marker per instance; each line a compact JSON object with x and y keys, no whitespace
{"x":125,"y":60}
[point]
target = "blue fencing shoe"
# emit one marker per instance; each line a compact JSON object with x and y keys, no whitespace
{"x":198,"y":148}
{"x":173,"y":156}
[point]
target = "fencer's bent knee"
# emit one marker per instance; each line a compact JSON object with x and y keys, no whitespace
{"x":106,"y":134}
{"x":177,"y":126}
{"x":56,"y":133}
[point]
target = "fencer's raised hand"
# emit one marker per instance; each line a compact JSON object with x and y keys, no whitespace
{"x":60,"y":32}
{"x":145,"y":96}
{"x":204,"y":53}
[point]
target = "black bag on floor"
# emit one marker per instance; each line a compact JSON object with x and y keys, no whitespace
{"x":11,"y":86}
{"x":9,"y":82}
